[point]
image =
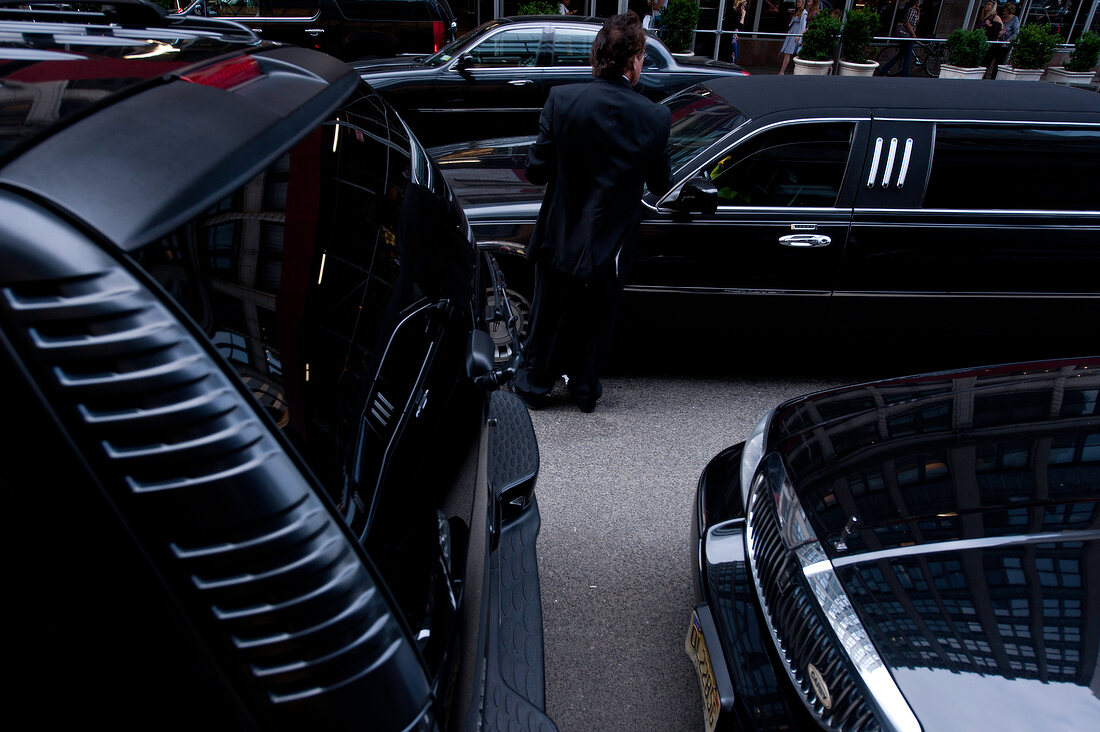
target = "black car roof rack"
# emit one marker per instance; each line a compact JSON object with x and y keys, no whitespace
{"x":124,"y":13}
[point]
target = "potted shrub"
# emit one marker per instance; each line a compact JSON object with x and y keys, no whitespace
{"x":815,"y":57}
{"x":538,"y":7}
{"x":677,"y":23}
{"x":1030,"y":51}
{"x":1080,"y":66}
{"x":965,"y":51}
{"x":855,"y":39}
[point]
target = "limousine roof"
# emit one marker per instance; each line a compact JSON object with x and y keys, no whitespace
{"x":761,"y":96}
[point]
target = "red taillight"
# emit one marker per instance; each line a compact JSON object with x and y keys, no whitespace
{"x":438,"y":30}
{"x":226,"y":74}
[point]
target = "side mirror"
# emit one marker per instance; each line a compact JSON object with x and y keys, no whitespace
{"x":698,"y":196}
{"x":479,"y":355}
{"x":465,"y":61}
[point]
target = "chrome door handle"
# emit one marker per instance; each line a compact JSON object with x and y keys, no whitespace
{"x":805,"y":240}
{"x":520,"y":82}
{"x":314,"y":31}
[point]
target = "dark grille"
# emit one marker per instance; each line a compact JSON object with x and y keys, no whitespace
{"x":795,"y":618}
{"x":207,"y":489}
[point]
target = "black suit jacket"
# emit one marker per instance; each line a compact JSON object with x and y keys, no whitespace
{"x":598,"y":142}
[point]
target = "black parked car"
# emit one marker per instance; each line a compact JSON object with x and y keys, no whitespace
{"x":257,"y":471}
{"x":494,"y":80}
{"x":917,"y":553}
{"x":831,"y":205}
{"x":347,"y":29}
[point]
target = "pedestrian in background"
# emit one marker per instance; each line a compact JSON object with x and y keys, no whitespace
{"x":990,"y":22}
{"x":563,"y":8}
{"x":656,"y":7}
{"x":1008,"y":32}
{"x":905,"y":29}
{"x":812,"y":9}
{"x":740,"y":7}
{"x":598,"y":143}
{"x":795,"y":29}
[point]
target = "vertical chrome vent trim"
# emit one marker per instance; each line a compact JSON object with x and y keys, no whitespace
{"x":889,"y":167}
{"x":874,"y":163}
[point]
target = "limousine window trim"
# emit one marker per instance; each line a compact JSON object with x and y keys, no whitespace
{"x":706,"y":155}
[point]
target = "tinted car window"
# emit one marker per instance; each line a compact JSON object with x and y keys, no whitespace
{"x":236,"y":8}
{"x":792,"y":165}
{"x":699,"y":119}
{"x":1013,"y":156}
{"x":572,"y":47}
{"x":289,"y":8}
{"x":508,"y":48}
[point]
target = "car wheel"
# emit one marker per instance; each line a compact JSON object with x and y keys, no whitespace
{"x":932,"y":65}
{"x":506,"y":349}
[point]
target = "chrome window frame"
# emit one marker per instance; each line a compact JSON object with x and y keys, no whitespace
{"x":706,"y":155}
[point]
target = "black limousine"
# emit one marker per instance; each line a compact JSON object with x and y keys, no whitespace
{"x":847,"y":206}
{"x":912,"y":554}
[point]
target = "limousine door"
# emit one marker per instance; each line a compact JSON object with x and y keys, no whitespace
{"x":975,"y":228}
{"x":775,"y":241}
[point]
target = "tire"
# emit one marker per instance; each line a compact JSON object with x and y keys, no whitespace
{"x":886,"y":56}
{"x":505,"y":351}
{"x":932,"y":63}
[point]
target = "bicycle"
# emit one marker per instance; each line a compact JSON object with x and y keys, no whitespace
{"x":927,"y":58}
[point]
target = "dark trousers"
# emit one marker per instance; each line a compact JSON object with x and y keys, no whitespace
{"x":572,"y":319}
{"x":904,"y":56}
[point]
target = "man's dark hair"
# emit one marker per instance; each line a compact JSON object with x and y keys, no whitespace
{"x":620,"y":40}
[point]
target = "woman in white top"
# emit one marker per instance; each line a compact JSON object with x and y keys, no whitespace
{"x":794,"y":34}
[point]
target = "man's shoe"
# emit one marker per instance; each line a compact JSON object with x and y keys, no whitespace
{"x":533,"y":401}
{"x":585,"y":405}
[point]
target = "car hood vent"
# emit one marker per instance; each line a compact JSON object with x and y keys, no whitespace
{"x":282,"y":595}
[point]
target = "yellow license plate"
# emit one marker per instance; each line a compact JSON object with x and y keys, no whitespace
{"x":696,"y":648}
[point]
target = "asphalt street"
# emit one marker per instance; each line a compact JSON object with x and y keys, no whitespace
{"x":615,"y":491}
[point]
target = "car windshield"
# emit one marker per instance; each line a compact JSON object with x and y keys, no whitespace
{"x":699,"y":119}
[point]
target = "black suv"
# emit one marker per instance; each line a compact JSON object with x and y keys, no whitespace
{"x":258,"y":473}
{"x":347,"y":29}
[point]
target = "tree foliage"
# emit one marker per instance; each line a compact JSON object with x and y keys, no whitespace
{"x":966,"y":48}
{"x":677,"y":22}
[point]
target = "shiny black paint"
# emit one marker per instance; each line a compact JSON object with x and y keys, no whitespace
{"x":894,"y":268}
{"x":973,"y":566}
{"x":446,"y":103}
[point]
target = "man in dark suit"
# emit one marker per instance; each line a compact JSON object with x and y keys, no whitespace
{"x":597,"y":144}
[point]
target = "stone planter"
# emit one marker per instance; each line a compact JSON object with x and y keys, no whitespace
{"x":802,"y":67}
{"x":1010,"y":74}
{"x":1059,"y":75}
{"x":947,"y":71}
{"x":852,"y":68}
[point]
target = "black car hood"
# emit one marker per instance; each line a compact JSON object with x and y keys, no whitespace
{"x":485,"y":174}
{"x":943,"y":457}
{"x":973,"y":559}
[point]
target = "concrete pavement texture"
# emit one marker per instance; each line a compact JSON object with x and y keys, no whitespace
{"x":615,"y":490}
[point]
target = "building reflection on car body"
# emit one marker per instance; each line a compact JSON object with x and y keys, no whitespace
{"x":972,"y":566}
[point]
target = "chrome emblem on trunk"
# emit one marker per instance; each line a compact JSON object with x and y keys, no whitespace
{"x":821,"y":689}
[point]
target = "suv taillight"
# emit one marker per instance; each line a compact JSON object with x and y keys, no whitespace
{"x":439,"y":31}
{"x":226,"y":74}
